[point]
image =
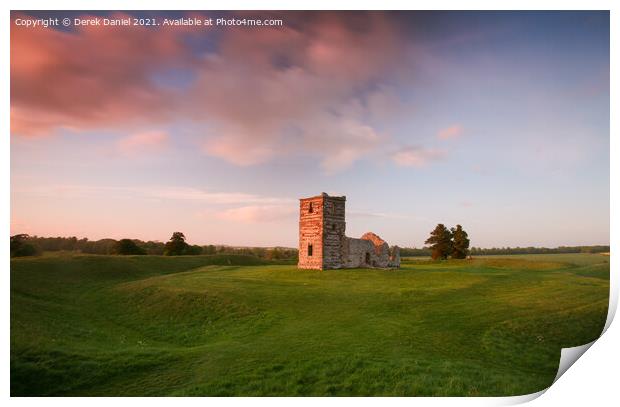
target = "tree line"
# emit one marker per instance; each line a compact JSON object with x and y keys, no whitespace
{"x":454,"y":242}
{"x":479,"y":251}
{"x":26,"y":245}
{"x":540,"y":250}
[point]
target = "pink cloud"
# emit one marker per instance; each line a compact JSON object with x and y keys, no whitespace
{"x":416,"y":156}
{"x":150,"y":141}
{"x":479,"y":169}
{"x":259,"y":213}
{"x":311,"y":87}
{"x":235,"y":148}
{"x":155,"y":192}
{"x":90,"y":78}
{"x":451,"y":132}
{"x":315,"y":104}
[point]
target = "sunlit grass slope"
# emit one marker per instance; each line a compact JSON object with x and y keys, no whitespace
{"x":231,"y":325}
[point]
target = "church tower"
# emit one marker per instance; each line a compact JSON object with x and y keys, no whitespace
{"x":321,"y":232}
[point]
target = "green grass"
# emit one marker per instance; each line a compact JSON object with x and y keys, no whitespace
{"x":233,"y":325}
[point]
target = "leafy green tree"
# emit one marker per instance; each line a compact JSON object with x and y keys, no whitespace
{"x":176,"y":246}
{"x":193,"y":250}
{"x":128,"y":246}
{"x":153,"y":247}
{"x":440,"y":242}
{"x":69,"y":244}
{"x":275,"y":254}
{"x":460,"y":243}
{"x":102,"y":246}
{"x":20,"y":246}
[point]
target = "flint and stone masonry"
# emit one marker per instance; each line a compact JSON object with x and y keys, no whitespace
{"x":324,"y":245}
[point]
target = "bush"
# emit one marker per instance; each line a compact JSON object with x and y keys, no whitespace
{"x":193,"y":250}
{"x":128,"y":246}
{"x":20,"y":247}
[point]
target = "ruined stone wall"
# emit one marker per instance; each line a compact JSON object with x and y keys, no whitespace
{"x":334,"y":227}
{"x":363,"y":253}
{"x":394,"y":257}
{"x":379,"y":244}
{"x":311,"y":233}
{"x":354,"y":252}
{"x":369,"y":251}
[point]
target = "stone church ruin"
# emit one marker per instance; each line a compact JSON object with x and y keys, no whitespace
{"x":324,"y":245}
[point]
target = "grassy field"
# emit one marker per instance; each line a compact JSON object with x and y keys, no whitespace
{"x":232,"y":325}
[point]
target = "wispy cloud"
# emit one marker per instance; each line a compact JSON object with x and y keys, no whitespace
{"x":150,"y":141}
{"x":259,"y":213}
{"x":417,"y":156}
{"x":451,"y":132}
{"x":381,"y":215}
{"x":158,"y":192}
{"x":479,"y":169}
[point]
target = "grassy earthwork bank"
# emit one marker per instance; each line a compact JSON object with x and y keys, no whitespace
{"x":234,"y":325}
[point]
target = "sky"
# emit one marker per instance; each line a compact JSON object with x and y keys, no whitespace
{"x":498,"y":121}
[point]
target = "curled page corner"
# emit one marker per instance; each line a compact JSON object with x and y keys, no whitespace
{"x":611,"y":311}
{"x":514,"y":400}
{"x":569,"y":356}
